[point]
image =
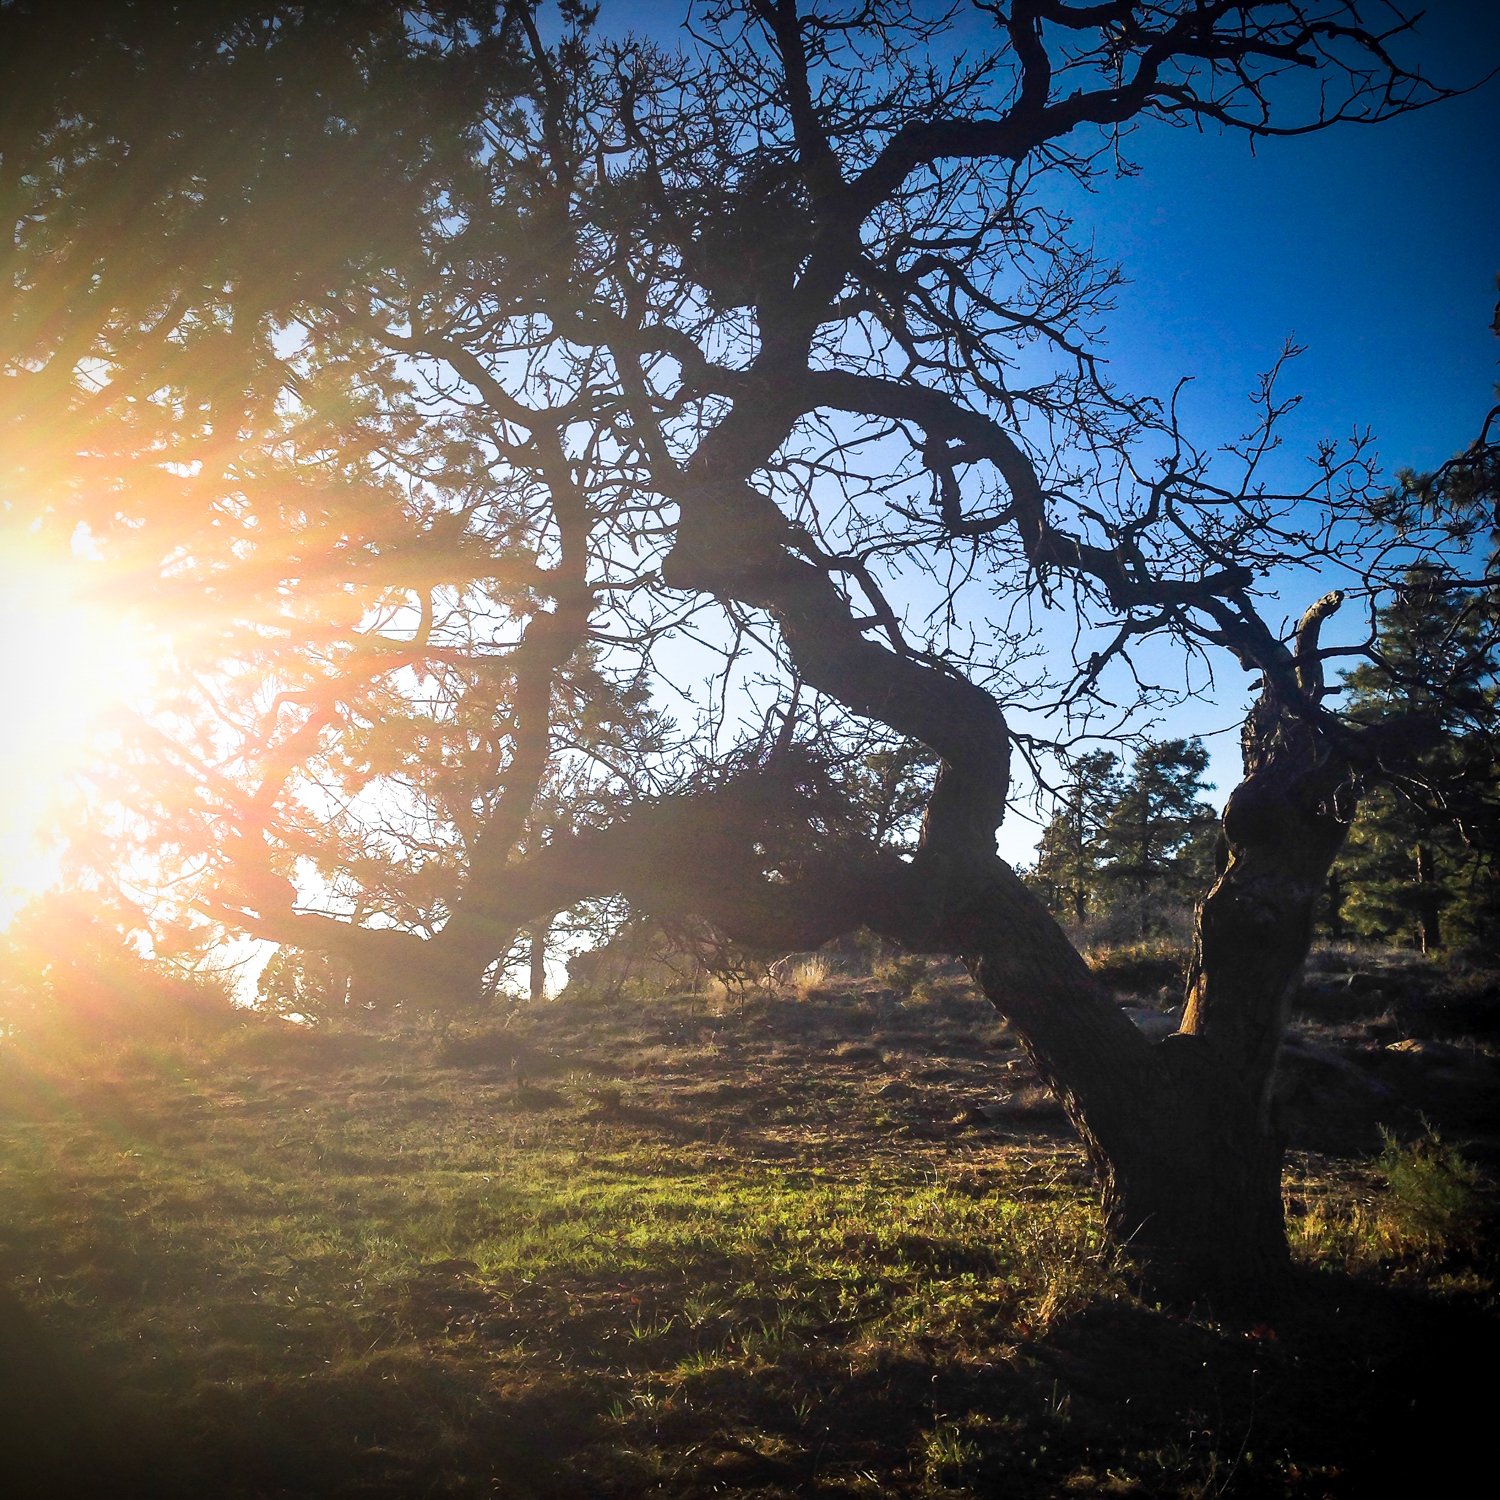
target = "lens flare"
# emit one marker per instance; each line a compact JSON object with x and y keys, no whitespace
{"x":70,"y":664}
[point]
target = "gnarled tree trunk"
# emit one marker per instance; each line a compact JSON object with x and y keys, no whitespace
{"x":1190,"y":1175}
{"x":1186,"y":1141}
{"x":1283,"y":826}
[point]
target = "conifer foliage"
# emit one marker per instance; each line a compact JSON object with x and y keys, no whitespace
{"x":1067,"y":872}
{"x":1420,"y":865}
{"x":1132,"y":844}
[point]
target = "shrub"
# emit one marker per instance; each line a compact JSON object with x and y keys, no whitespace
{"x":70,"y":972}
{"x":809,"y":976}
{"x":901,"y":971}
{"x":1433,"y":1198}
{"x":1429,"y":1206}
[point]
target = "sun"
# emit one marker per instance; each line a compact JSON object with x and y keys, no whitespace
{"x":69,"y":664}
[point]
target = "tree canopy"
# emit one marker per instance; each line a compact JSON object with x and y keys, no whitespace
{"x":1137,"y":845}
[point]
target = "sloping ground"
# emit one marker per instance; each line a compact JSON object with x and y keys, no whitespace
{"x":836,"y":1244}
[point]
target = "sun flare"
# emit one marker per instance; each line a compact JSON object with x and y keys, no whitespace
{"x":70,"y":665}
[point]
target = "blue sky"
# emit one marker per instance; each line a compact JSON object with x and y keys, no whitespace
{"x":1375,"y":247}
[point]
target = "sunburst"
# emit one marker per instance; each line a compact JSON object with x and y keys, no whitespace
{"x":73,"y":657}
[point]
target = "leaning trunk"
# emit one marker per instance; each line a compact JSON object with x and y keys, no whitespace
{"x":1190,"y":1181}
{"x":1283,"y":827}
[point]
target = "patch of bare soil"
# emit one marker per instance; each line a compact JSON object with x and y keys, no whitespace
{"x":856,"y":1066}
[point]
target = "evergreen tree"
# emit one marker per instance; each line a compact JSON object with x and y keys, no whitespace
{"x":888,"y":788}
{"x":1066,"y":874}
{"x":1420,"y":864}
{"x":1156,"y":844}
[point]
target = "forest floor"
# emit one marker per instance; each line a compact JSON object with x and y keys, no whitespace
{"x":827,"y":1241}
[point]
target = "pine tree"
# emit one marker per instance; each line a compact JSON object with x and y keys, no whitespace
{"x":1066,"y":873}
{"x":1420,"y":866}
{"x":1155,"y":846}
{"x":888,"y":788}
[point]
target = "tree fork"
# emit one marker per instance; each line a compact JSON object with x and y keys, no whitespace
{"x":1283,"y":826}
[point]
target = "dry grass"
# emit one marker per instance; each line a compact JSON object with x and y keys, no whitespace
{"x":810,"y":977}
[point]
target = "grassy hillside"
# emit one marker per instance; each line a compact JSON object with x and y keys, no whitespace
{"x":834,"y":1240}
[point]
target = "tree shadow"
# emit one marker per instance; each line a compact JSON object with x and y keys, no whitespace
{"x":54,"y":1413}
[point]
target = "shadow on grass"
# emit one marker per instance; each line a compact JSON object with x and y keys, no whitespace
{"x":1357,"y":1390}
{"x":53,"y":1412}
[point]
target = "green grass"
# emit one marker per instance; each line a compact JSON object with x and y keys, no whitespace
{"x":1425,"y":1209}
{"x":635,"y":1250}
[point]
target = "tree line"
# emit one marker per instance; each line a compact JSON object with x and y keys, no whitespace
{"x":1130,"y":845}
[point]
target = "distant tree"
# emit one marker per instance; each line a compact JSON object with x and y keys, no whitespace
{"x":1155,"y":847}
{"x":70,"y":965}
{"x":888,"y":787}
{"x":1423,"y":857}
{"x":1408,"y":878}
{"x":1070,"y":853}
{"x":304,"y":983}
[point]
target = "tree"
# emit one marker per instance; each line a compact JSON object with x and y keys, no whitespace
{"x":1420,"y":863}
{"x":1155,"y":837}
{"x":1069,"y":855}
{"x":68,"y":965}
{"x":377,"y":323}
{"x":1422,"y":854}
{"x":887,"y":784}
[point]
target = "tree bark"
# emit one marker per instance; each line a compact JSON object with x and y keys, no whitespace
{"x":1429,"y":902}
{"x":1196,"y":1196}
{"x":538,"y":975}
{"x":1283,"y":827}
{"x":1190,"y":1178}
